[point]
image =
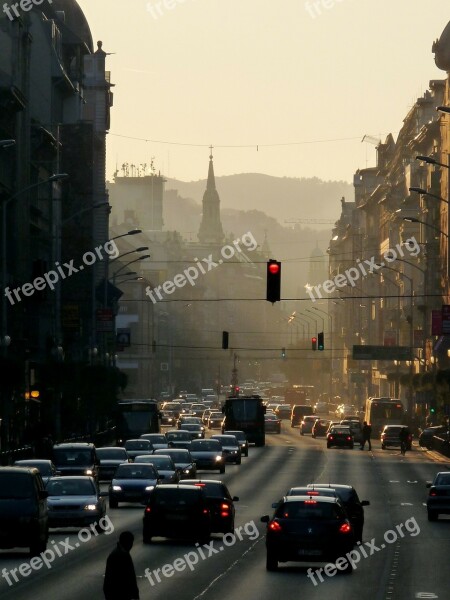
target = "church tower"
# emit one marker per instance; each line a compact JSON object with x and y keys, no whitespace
{"x":211,"y":231}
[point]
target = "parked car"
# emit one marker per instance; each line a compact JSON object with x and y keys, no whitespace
{"x":390,"y":436}
{"x":426,"y":436}
{"x":438,"y":501}
{"x":74,"y":501}
{"x":45,"y":467}
{"x":177,"y":511}
{"x":24,"y":511}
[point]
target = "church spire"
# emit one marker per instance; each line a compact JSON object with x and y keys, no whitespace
{"x":211,"y":231}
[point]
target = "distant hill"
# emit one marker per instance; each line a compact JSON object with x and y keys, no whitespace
{"x":283,"y":198}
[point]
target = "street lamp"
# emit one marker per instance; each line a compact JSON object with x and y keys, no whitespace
{"x":414,"y":220}
{"x":129,"y":263}
{"x":140,"y":249}
{"x":424,"y":192}
{"x":55,"y":177}
{"x":132,"y":232}
{"x":444,"y":109}
{"x":431,"y":161}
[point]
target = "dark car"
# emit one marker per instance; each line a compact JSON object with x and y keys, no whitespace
{"x":340,"y":436}
{"x":215,"y":420}
{"x":351,"y":502}
{"x":307,"y":424}
{"x":283,"y":411}
{"x":298,"y":412}
{"x":426,"y":437}
{"x":390,"y":436}
{"x":110,"y":458}
{"x":167,"y":471}
{"x":45,"y":467}
{"x":272,"y":424}
{"x":77,"y":458}
{"x":320,"y":427}
{"x":177,"y":511}
{"x":74,"y":501}
{"x":196,"y":430}
{"x":179,"y":439}
{"x":438,"y":501}
{"x":231,"y":448}
{"x":241,"y":438}
{"x":184,"y":420}
{"x":182,"y":459}
{"x":132,"y":483}
{"x":355,"y":428}
{"x":138,"y":446}
{"x":220,"y":502}
{"x":308,"y":529}
{"x":168,"y":417}
{"x":157,"y":440}
{"x":208,"y":455}
{"x":23,"y":509}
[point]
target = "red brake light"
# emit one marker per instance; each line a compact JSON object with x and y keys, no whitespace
{"x":206,"y":511}
{"x":349,"y":438}
{"x":224,"y":514}
{"x":274,"y":526}
{"x":310,"y":502}
{"x":313,"y":493}
{"x":331,"y":437}
{"x":199,"y":484}
{"x":433,"y":493}
{"x":345,"y":528}
{"x":224,"y":507}
{"x":148,"y":509}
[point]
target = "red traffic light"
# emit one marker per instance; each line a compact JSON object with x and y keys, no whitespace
{"x":274,"y":268}
{"x":313,"y":340}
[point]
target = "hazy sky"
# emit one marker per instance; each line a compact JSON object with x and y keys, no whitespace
{"x":255,"y":72}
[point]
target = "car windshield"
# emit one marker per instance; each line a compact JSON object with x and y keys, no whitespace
{"x":304,"y":491}
{"x":138,"y":445}
{"x":341,"y":430}
{"x":135,"y":471}
{"x":227,"y":440}
{"x":71,"y":487}
{"x":239,"y":435}
{"x":73,"y":457}
{"x":161,"y":462}
{"x":212,"y":490}
{"x":156,"y":438}
{"x":180,"y":457}
{"x":205,"y":446}
{"x":15,"y":485}
{"x":270,"y":418}
{"x":43,"y":468}
{"x":178,"y":435}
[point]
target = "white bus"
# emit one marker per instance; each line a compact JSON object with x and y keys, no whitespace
{"x":383,"y":411}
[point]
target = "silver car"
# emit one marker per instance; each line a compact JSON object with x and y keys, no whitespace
{"x":74,"y":501}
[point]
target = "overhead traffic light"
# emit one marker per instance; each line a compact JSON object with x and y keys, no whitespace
{"x":313,"y":343}
{"x":224,"y":340}
{"x":273,"y":281}
{"x":320,"y":341}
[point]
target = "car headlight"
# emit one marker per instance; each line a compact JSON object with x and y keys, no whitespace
{"x":116,"y":488}
{"x":219,"y":458}
{"x":202,"y":428}
{"x":149,"y":488}
{"x":90,"y":507}
{"x":188,"y":470}
{"x":89,"y":472}
{"x":234,"y":452}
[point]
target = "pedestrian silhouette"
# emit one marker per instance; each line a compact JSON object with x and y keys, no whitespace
{"x":366,"y":433}
{"x":120,"y":578}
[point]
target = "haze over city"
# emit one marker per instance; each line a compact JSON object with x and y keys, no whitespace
{"x":256,"y":73}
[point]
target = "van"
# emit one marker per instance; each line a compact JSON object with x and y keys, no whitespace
{"x":78,"y":458}
{"x":298,"y":412}
{"x":23,"y":509}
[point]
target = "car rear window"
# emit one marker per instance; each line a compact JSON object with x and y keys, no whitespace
{"x":135,"y":471}
{"x":176,"y":497}
{"x":15,"y":485}
{"x":309,"y":509}
{"x":112,"y":454}
{"x":443,"y":479}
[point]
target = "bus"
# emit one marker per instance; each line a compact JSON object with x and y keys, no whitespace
{"x":300,"y":394}
{"x":135,"y":417}
{"x":384,"y":411}
{"x":246,"y":414}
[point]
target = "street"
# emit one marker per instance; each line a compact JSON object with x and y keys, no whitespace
{"x":413,"y":566}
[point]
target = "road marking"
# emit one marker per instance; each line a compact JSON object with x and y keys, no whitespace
{"x":77,"y":545}
{"x":81,"y":267}
{"x":406,"y":504}
{"x":220,"y":261}
{"x":221,"y":548}
{"x":383,"y":545}
{"x":394,"y":481}
{"x":408,"y":481}
{"x":426,"y":595}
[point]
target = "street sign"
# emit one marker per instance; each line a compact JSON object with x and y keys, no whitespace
{"x":123,"y":337}
{"x":382,"y":353}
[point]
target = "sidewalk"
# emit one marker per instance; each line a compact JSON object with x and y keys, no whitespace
{"x":433,"y":455}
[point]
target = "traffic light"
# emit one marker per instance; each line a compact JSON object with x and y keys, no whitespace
{"x":283,"y":352}
{"x":313,"y":343}
{"x":273,"y":281}
{"x":224,"y":340}
{"x":320,"y":341}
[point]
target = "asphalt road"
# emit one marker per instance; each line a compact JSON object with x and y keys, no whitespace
{"x":408,"y":557}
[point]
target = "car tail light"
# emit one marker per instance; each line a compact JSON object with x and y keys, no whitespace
{"x":313,"y":493}
{"x":274,"y":526}
{"x":345,"y":528}
{"x":224,"y":506}
{"x":433,"y":493}
{"x":349,"y":438}
{"x":330,"y":437}
{"x":206,"y":511}
{"x":310,"y":502}
{"x":148,"y":509}
{"x":199,"y":484}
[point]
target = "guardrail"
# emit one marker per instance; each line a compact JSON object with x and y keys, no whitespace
{"x":8,"y":457}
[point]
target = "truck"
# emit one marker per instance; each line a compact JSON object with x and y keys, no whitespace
{"x":135,"y":417}
{"x":245,"y":413}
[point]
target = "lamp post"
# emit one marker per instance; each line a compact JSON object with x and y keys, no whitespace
{"x":331,"y":346}
{"x":129,"y":263}
{"x":414,"y":220}
{"x":55,"y":177}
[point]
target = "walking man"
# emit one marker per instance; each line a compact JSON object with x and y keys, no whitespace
{"x":120,"y":578}
{"x":366,"y":434}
